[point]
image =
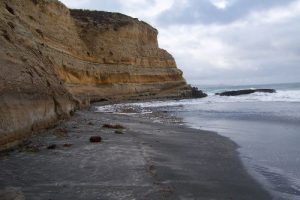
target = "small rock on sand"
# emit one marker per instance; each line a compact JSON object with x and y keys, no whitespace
{"x":95,"y":139}
{"x":119,"y":132}
{"x":52,"y":146}
{"x":67,"y":145}
{"x":113,"y":126}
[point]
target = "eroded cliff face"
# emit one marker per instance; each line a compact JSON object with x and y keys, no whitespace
{"x":120,"y":54}
{"x":54,"y":59}
{"x":32,"y":96}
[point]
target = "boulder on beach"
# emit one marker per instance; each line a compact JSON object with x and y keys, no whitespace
{"x":95,"y":139}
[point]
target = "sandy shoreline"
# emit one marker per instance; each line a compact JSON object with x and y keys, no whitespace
{"x":149,"y":161}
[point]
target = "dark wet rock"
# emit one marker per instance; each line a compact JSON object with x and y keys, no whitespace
{"x":243,"y":92}
{"x":72,"y":113}
{"x":52,"y":146}
{"x":196,"y":93}
{"x":113,"y":126}
{"x":61,"y":132}
{"x":28,"y":146}
{"x":67,"y":145}
{"x":119,"y":132}
{"x":95,"y":139}
{"x":31,"y":149}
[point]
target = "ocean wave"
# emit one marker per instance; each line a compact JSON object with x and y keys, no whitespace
{"x":292,"y":96}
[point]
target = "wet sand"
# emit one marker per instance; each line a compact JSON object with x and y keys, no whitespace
{"x":148,"y":161}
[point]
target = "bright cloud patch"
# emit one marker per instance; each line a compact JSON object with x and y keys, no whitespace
{"x":220,"y":4}
{"x":146,"y":9}
{"x":76,"y":4}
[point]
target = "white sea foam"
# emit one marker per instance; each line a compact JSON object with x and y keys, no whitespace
{"x":144,"y":107}
{"x":279,"y":96}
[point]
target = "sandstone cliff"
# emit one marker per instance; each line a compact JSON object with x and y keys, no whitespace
{"x":53,"y":60}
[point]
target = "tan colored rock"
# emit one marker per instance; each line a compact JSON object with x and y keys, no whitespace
{"x":32,"y":96}
{"x":11,"y":193}
{"x":54,"y":59}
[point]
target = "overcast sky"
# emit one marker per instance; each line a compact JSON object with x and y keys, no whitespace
{"x":221,"y":41}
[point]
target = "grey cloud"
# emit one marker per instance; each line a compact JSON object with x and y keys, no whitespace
{"x":202,"y":11}
{"x":263,"y":53}
{"x":112,"y":5}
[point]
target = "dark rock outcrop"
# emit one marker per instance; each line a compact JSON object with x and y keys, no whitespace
{"x":195,"y":93}
{"x":243,"y":92}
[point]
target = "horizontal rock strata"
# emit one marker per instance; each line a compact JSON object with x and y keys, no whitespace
{"x":54,"y":60}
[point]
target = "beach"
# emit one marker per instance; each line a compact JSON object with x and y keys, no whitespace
{"x":94,"y":105}
{"x":146,"y":160}
{"x":265,"y":126}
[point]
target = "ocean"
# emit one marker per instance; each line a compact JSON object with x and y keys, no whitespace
{"x":266,"y":127}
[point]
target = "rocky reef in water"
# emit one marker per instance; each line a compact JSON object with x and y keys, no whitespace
{"x":55,"y":60}
{"x":244,"y":92}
